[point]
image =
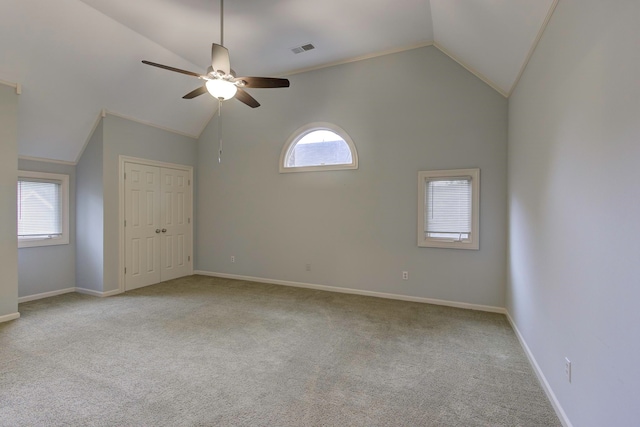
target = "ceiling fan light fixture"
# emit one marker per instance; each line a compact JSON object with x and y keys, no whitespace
{"x":221,"y":89}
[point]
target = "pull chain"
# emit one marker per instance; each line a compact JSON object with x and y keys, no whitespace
{"x":220,"y":130}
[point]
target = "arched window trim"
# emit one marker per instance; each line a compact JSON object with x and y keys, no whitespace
{"x":308,"y":128}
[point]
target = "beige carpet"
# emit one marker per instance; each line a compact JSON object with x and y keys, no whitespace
{"x":200,"y":351}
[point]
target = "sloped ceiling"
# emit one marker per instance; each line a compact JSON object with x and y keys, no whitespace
{"x":76,"y":58}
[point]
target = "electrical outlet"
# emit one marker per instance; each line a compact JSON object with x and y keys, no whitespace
{"x":567,"y":368}
{"x":307,"y":267}
{"x":233,"y":258}
{"x":405,"y":275}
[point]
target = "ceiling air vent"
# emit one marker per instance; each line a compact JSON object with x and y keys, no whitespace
{"x":303,"y":48}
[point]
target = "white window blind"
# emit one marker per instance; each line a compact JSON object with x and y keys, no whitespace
{"x":39,"y":209}
{"x":448,"y":208}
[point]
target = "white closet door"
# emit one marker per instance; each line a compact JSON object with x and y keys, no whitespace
{"x":176,"y":227}
{"x":142,"y":226}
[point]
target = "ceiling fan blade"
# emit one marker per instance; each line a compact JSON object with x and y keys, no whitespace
{"x":264,"y":82}
{"x":197,"y":92}
{"x":244,"y":97}
{"x":220,"y":58}
{"x":177,"y":70}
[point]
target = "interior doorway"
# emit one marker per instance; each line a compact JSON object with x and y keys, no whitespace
{"x":156,"y":231}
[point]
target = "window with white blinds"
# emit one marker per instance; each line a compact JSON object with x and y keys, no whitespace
{"x":448,"y":208}
{"x":42,"y":209}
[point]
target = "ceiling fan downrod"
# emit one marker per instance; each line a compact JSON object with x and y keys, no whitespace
{"x":221,"y":22}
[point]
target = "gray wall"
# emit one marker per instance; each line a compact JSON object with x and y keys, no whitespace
{"x":99,"y":208}
{"x":357,"y":228}
{"x":49,"y":268}
{"x":90,"y":215}
{"x":574,"y":202}
{"x":8,"y":183}
{"x":124,"y":137}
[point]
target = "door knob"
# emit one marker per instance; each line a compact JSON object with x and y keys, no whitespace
{"x":157,"y":230}
{"x":164,"y":230}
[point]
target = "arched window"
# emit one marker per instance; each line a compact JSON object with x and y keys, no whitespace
{"x":318,"y":147}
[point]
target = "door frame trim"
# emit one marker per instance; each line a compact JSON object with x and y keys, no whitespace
{"x":121,"y":211}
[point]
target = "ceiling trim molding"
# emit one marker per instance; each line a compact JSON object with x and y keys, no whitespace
{"x":17,"y":86}
{"x":333,"y":64}
{"x":534,"y":45}
{"x":472,"y":70}
{"x":101,"y":115}
{"x":43,"y":159}
{"x":360,"y":58}
{"x":6,"y":83}
{"x":144,"y":122}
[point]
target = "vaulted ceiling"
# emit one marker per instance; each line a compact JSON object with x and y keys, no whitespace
{"x":75,"y":58}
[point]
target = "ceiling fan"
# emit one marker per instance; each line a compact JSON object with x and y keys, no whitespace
{"x":220,"y":80}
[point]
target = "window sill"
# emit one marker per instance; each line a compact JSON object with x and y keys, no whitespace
{"x":317,"y":168}
{"x":450,"y":244}
{"x":34,"y":243}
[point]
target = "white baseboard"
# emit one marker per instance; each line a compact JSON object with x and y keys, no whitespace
{"x":543,"y":380}
{"x":7,"y":317}
{"x":45,"y":295}
{"x":98,"y":293}
{"x":468,"y":306}
{"x":66,"y":291}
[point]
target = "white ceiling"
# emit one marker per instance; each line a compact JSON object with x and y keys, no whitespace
{"x":74,"y":58}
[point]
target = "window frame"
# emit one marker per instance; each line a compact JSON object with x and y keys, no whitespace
{"x":473,"y":242}
{"x":303,"y":131}
{"x":63,"y":179}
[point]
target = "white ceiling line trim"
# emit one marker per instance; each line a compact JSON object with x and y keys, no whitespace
{"x":359,"y":58}
{"x":43,"y":159}
{"x":472,"y":70}
{"x":375,"y":55}
{"x":101,"y":114}
{"x":144,"y":122}
{"x":2,"y":82}
{"x":534,"y":45}
{"x":17,"y":86}
{"x":333,"y":64}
